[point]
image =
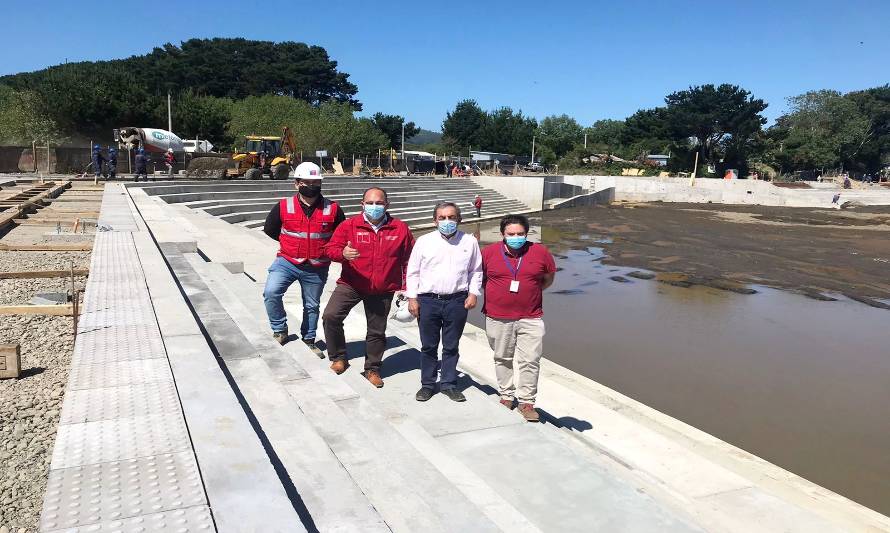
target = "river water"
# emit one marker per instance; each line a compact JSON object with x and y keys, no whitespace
{"x":801,"y":383}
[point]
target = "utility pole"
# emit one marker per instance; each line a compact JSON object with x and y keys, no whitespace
{"x":585,"y":141}
{"x":533,"y":148}
{"x":169,"y":115}
{"x":404,"y":159}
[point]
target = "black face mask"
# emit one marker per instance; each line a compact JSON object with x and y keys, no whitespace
{"x":310,"y":191}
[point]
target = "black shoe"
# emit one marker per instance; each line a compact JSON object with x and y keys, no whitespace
{"x":280,"y":336}
{"x":454,"y":395}
{"x":312,"y":346}
{"x":424,"y":394}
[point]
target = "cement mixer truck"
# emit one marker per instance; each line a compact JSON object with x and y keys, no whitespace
{"x":152,"y":140}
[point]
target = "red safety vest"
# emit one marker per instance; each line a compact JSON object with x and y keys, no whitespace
{"x":302,"y":239}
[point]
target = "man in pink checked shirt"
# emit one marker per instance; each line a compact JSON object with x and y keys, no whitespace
{"x":443,"y":281}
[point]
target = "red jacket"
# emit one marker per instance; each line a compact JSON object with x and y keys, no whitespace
{"x":302,"y":239}
{"x":477,"y":202}
{"x":383,"y":259}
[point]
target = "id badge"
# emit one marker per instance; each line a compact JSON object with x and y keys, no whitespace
{"x":514,"y":285}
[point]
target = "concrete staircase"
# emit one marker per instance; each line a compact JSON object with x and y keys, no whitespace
{"x":412,"y":199}
{"x":365,"y":459}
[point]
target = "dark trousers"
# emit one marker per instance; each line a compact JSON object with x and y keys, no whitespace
{"x":342,"y":300}
{"x":440,"y":319}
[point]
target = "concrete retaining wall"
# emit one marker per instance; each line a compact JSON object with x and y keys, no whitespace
{"x":718,"y":191}
{"x":527,"y":189}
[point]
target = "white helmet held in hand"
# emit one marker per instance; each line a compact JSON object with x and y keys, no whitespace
{"x":401,"y":313}
{"x":307,"y":171}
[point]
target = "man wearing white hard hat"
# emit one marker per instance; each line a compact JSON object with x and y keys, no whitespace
{"x":302,"y":225}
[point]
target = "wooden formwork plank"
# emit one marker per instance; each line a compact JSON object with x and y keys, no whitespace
{"x":33,"y":274}
{"x":50,"y":310}
{"x":85,"y":247}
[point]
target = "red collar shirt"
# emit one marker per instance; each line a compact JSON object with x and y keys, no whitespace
{"x":500,"y":270}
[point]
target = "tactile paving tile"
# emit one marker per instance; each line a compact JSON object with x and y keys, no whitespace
{"x":181,"y":520}
{"x":117,"y":373}
{"x":121,"y":343}
{"x":120,"y":490}
{"x":136,"y":313}
{"x":90,"y":405}
{"x":116,"y":440}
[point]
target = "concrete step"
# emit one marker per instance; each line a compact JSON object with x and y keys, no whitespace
{"x":227,"y":206}
{"x":400,"y":210}
{"x":317,"y":479}
{"x":354,"y":205}
{"x":190,"y":195}
{"x":434,"y":431}
{"x":398,"y":481}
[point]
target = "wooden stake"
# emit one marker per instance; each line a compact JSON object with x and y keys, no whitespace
{"x":86,"y":247}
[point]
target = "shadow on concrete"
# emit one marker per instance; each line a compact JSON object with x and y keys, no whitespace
{"x":568,"y":422}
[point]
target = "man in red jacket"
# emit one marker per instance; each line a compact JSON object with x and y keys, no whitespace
{"x":373,"y":248}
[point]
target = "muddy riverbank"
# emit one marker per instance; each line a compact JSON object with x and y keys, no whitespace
{"x":816,"y":252}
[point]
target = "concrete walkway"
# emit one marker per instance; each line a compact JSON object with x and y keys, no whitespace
{"x":281,"y":443}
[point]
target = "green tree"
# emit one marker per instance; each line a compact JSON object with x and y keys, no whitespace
{"x":464,"y":126}
{"x":560,"y":133}
{"x":203,"y":117}
{"x":874,"y":104}
{"x":507,"y":132}
{"x":24,"y":118}
{"x":331,"y":126}
{"x":391,"y":127}
{"x":714,"y":116}
{"x":606,"y":133}
{"x":822,"y":129}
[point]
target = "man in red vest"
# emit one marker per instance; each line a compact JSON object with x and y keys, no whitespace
{"x":302,"y":225}
{"x":373,"y":248}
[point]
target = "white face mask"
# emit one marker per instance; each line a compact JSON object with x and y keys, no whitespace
{"x":447,"y":227}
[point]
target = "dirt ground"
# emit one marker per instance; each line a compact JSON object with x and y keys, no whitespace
{"x":816,"y":252}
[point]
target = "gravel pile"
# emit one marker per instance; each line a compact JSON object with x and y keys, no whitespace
{"x":20,"y":261}
{"x":29,"y":414}
{"x":30,"y":406}
{"x":20,"y":291}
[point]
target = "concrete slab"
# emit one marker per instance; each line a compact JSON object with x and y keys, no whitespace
{"x":556,"y":490}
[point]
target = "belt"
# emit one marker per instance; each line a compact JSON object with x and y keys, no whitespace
{"x":462,"y":294}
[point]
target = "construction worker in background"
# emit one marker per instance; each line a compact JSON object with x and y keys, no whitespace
{"x":477,"y":203}
{"x":112,"y":162}
{"x":141,"y":164}
{"x":302,"y":225}
{"x":373,"y":248}
{"x":169,"y":160}
{"x":97,"y":160}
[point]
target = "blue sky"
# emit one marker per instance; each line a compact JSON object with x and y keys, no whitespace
{"x":590,"y":59}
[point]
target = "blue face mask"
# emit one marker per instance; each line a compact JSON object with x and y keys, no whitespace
{"x":374,"y":212}
{"x":447,"y":227}
{"x":515,"y":242}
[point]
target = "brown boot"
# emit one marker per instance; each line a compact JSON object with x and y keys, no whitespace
{"x":507,"y":403}
{"x":528,"y":412}
{"x":374,"y":377}
{"x":339,"y":366}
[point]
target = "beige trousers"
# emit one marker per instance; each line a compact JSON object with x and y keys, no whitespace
{"x":519,"y":340}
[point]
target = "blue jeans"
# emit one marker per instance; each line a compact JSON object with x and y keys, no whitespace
{"x":440,"y":320}
{"x":282,"y":274}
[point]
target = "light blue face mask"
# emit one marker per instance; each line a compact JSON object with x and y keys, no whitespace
{"x":515,"y":242}
{"x":447,"y":227}
{"x":374,"y":212}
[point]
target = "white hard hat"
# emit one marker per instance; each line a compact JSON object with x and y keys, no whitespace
{"x":307,"y":171}
{"x":402,"y":314}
